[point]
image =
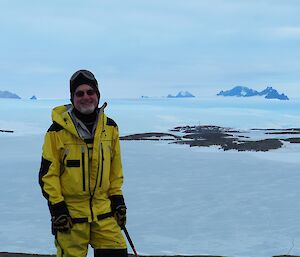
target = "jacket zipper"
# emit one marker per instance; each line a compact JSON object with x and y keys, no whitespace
{"x":83,"y":168}
{"x":102,"y":161}
{"x":91,"y":207}
{"x":89,"y":178}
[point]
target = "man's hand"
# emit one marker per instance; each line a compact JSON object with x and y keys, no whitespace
{"x":61,"y":219}
{"x":62,"y":223}
{"x":118,"y":208}
{"x":120,"y":215}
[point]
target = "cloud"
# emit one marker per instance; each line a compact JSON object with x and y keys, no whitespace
{"x":156,"y":44}
{"x":287,"y":32}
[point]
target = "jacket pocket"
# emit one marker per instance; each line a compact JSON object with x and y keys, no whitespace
{"x":74,"y":176}
{"x":73,"y":163}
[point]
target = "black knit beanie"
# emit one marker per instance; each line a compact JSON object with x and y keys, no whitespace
{"x":83,"y":77}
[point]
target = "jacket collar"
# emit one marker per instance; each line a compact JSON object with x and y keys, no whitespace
{"x":62,"y":115}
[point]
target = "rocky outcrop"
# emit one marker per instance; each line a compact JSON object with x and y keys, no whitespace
{"x":6,"y":254}
{"x":7,"y":131}
{"x":224,"y":138}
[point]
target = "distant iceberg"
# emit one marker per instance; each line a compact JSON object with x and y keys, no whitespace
{"x":271,"y":93}
{"x":7,"y":94}
{"x":181,"y":94}
{"x":241,"y":91}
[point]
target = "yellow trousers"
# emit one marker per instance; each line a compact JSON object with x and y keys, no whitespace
{"x":104,"y":236}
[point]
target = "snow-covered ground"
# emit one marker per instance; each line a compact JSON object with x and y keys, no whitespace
{"x":180,"y":200}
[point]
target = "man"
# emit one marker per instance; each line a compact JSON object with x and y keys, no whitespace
{"x":81,"y":175}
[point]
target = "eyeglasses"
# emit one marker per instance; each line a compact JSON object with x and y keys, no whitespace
{"x":81,"y":93}
{"x":85,"y":73}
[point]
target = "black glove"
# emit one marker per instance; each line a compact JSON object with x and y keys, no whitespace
{"x":120,"y":215}
{"x":118,"y":207}
{"x":61,"y":219}
{"x":62,"y":223}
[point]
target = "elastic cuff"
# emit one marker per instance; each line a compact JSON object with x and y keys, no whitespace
{"x":58,"y":209}
{"x":116,"y":201}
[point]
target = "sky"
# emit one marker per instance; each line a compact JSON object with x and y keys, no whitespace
{"x":149,"y":47}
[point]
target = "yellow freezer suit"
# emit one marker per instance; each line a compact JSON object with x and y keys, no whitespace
{"x":84,"y":175}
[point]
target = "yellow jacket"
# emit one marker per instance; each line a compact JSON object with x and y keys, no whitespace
{"x":82,"y":173}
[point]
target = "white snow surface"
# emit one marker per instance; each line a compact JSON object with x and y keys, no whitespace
{"x":180,"y":200}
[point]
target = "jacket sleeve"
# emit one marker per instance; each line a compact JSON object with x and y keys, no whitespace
{"x":116,"y":173}
{"x":50,"y":169}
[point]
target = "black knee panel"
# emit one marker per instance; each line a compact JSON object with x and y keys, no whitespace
{"x":110,"y":253}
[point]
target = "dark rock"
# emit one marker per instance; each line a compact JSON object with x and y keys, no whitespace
{"x":286,"y":256}
{"x":150,"y":136}
{"x":295,"y":140}
{"x":6,"y":254}
{"x":258,"y":146}
{"x":224,"y":138}
{"x":283,"y":133}
{"x":6,"y":131}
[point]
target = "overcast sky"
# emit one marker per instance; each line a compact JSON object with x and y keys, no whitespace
{"x":150,"y":47}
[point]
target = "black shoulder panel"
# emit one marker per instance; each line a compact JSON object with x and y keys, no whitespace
{"x":45,"y":165}
{"x":111,"y":122}
{"x":55,"y":127}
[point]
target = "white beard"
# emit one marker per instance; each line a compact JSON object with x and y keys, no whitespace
{"x":87,"y":110}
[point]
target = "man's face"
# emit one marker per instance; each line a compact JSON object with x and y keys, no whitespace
{"x":85,"y":99}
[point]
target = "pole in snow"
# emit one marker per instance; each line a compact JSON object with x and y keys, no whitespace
{"x":130,"y":241}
